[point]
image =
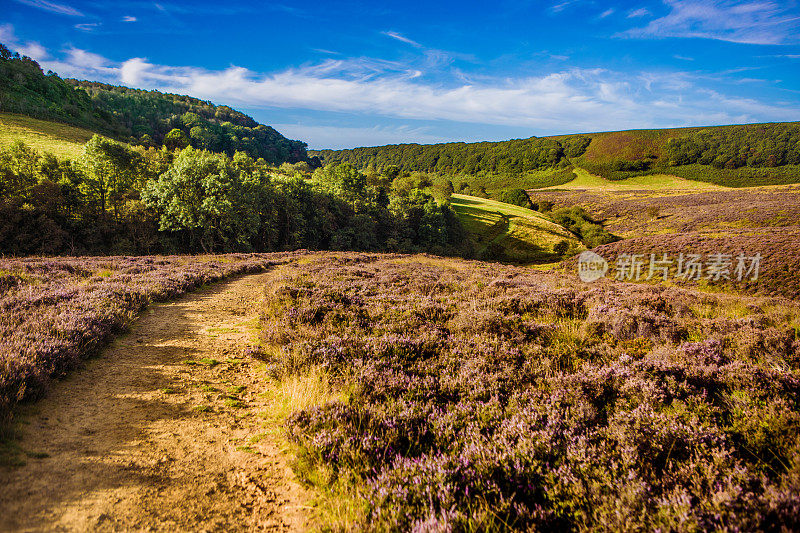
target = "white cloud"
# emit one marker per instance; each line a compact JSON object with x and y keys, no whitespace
{"x":81,"y":64}
{"x":33,"y":50}
{"x":638,"y":13}
{"x":129,"y":18}
{"x":607,"y":13}
{"x":751,"y":22}
{"x":29,"y":48}
{"x":326,"y":51}
{"x":7,"y":35}
{"x":61,"y":9}
{"x":402,"y":38}
{"x":561,"y":6}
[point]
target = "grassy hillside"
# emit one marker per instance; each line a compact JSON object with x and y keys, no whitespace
{"x":509,"y":232}
{"x":533,"y":179}
{"x":58,"y":139}
{"x":585,"y":180}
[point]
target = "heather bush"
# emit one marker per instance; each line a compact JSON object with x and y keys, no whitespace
{"x":481,"y":397}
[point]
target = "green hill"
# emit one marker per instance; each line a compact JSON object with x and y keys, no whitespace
{"x":138,"y":117}
{"x":505,"y":231}
{"x":732,"y":156}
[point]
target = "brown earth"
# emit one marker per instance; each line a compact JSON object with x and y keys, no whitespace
{"x":166,"y":430}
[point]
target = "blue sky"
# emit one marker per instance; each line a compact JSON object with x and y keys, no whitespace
{"x":343,"y":74}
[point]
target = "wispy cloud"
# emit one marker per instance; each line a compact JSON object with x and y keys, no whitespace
{"x":77,"y":63}
{"x":88,"y":26}
{"x":638,"y":13}
{"x":129,"y":18}
{"x":750,"y":22}
{"x":402,"y":38}
{"x":561,"y":6}
{"x":61,"y":9}
{"x":607,"y":13}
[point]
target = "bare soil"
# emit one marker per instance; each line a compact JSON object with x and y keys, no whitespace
{"x":166,"y":430}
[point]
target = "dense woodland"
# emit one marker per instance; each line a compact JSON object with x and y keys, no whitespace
{"x":151,"y":118}
{"x":755,"y":145}
{"x":147,"y":118}
{"x":122,"y":200}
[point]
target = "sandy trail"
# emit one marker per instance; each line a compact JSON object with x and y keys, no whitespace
{"x":144,"y":439}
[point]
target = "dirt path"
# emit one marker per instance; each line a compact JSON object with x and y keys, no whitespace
{"x":160,"y":433}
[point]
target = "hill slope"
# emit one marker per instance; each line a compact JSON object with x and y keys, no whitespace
{"x":135,"y":116}
{"x":733,"y":156}
{"x":505,"y":231}
{"x":59,"y":139}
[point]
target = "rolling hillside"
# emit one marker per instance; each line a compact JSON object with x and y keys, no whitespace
{"x":505,"y":231}
{"x":732,"y":156}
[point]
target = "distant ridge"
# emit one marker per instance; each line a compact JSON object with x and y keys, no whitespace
{"x":737,"y":155}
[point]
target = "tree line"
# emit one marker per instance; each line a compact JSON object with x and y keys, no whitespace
{"x":118,"y":199}
{"x":504,"y":157}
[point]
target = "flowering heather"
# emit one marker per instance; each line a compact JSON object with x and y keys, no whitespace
{"x":779,"y":273}
{"x":638,"y":213}
{"x":479,"y":396}
{"x":55,"y":312}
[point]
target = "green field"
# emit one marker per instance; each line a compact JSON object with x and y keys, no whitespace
{"x":584,"y":180}
{"x":59,"y":139}
{"x":522,"y":234}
